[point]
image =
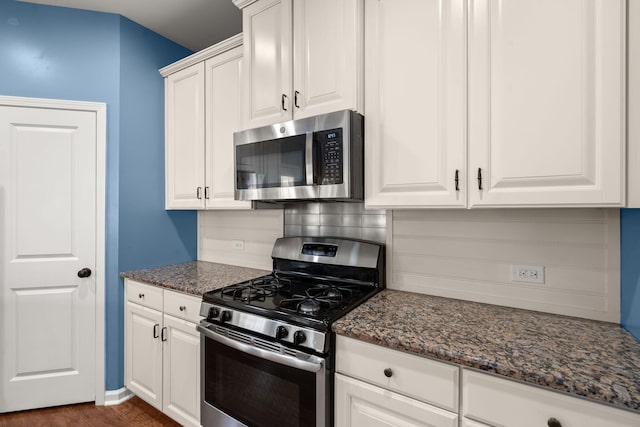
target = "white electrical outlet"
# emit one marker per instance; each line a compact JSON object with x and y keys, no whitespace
{"x":238,"y":245}
{"x":527,"y":273}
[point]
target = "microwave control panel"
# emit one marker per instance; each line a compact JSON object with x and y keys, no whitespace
{"x":328,"y":162}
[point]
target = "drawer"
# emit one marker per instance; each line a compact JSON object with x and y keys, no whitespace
{"x":146,"y":295}
{"x":414,"y":376}
{"x":496,"y":401}
{"x":183,"y":306}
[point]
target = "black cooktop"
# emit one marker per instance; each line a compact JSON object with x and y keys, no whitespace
{"x":314,"y":302}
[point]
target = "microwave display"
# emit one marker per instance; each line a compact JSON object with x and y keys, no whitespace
{"x":328,"y":157}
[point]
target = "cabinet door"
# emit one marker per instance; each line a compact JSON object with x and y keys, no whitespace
{"x":267,"y":37}
{"x":184,"y":138}
{"x":181,"y":371}
{"x":359,"y":404}
{"x":222,"y":85}
{"x":546,"y":102}
{"x":415,"y":103}
{"x":143,"y":353}
{"x":327,"y":56}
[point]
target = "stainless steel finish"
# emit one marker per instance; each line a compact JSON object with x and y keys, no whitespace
{"x":350,"y":252}
{"x":315,"y":340}
{"x":261,"y":348}
{"x":352,"y":187}
{"x":212,"y":416}
{"x":309,"y":158}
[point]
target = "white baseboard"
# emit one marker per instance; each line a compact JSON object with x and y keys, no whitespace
{"x":116,"y":397}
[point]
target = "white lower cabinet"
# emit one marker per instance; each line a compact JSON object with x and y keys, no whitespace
{"x":375,"y":386}
{"x":162,"y":350}
{"x":499,"y":402}
{"x":361,"y":404}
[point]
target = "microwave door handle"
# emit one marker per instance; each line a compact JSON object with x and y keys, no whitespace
{"x":309,"y":158}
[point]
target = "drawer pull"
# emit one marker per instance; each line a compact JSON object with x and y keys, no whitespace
{"x":140,"y":296}
{"x":388,"y":372}
{"x":182,"y":308}
{"x":553,"y":422}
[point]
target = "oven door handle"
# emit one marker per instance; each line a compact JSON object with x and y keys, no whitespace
{"x":282,"y":359}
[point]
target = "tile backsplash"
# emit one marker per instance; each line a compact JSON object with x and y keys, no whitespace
{"x":335,"y":219}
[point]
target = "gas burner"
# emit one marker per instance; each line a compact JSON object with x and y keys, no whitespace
{"x":258,"y":289}
{"x":343,"y":291}
{"x":313,"y":301}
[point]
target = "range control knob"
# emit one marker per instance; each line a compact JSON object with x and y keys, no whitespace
{"x":281,"y":332}
{"x":225,"y":316}
{"x":213,"y":312}
{"x":299,"y":337}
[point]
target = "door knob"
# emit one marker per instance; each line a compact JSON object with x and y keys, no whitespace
{"x":85,"y":272}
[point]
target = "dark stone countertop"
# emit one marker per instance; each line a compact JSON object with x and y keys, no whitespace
{"x":195,"y":277}
{"x":596,"y":360}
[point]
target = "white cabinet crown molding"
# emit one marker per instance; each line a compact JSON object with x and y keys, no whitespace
{"x":241,"y":4}
{"x":202,"y":55}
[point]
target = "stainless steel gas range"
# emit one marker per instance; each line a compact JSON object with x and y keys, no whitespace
{"x":267,"y":345}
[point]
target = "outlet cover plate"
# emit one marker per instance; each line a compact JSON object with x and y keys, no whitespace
{"x":238,"y":245}
{"x":527,"y":274}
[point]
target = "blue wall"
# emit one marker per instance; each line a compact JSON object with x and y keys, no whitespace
{"x":61,"y":53}
{"x":630,"y":270}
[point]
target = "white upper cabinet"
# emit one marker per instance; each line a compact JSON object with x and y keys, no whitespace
{"x":222,"y":85}
{"x":546,"y":102}
{"x":301,"y":58}
{"x":522,"y":100}
{"x":202,"y":110}
{"x":184,"y":138}
{"x":415,"y":105}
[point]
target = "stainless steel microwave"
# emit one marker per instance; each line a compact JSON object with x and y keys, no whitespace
{"x":314,"y":158}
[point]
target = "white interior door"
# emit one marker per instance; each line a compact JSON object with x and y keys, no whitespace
{"x":48,"y":229}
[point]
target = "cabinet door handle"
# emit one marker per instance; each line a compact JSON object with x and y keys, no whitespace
{"x":140,"y":296}
{"x":457,"y":180}
{"x":206,"y":193}
{"x":479,"y":178}
{"x":283,"y":100}
{"x":155,"y":330}
{"x":553,"y":422}
{"x":198,"y":191}
{"x":182,"y":308}
{"x":163,"y":334}
{"x":295,"y":99}
{"x":388,"y":372}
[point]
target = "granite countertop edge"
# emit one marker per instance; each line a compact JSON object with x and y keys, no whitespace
{"x":194,"y":277}
{"x":375,"y":323}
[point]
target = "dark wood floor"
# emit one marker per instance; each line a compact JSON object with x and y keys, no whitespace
{"x":132,"y":413}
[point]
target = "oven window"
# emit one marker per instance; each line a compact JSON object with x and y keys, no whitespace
{"x":258,"y":392}
{"x":276,"y":163}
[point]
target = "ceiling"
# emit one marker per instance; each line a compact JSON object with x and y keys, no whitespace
{"x":194,"y":24}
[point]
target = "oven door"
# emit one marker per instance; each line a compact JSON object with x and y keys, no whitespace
{"x":250,"y":381}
